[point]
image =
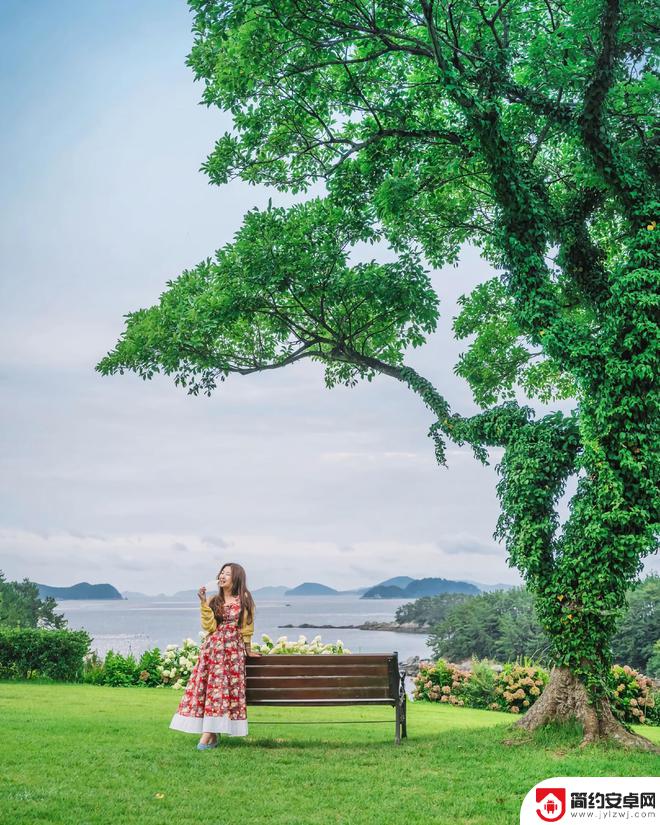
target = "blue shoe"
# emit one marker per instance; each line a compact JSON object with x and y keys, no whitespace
{"x":207,"y":746}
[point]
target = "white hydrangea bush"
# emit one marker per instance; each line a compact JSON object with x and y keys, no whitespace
{"x":178,"y":661}
{"x":177,"y":664}
{"x":287,"y":647}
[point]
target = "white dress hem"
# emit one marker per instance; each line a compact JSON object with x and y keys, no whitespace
{"x":209,"y":724}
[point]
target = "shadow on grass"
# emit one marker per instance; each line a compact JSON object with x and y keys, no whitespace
{"x":556,"y":739}
{"x":423,"y":740}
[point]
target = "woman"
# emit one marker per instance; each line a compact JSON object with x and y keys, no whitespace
{"x":214,"y":700}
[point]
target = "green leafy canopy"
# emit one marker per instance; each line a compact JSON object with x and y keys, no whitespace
{"x":526,"y":129}
{"x":284,"y":290}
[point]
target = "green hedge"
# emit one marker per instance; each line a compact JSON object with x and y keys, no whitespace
{"x":27,"y":653}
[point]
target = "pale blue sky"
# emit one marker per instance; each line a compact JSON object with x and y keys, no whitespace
{"x":139,"y":484}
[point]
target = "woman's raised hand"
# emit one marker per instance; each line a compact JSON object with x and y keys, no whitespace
{"x":202,"y":594}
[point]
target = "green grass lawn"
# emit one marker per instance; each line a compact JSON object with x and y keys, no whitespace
{"x":79,"y":754}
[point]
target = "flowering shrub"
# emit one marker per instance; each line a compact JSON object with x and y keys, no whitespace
{"x":514,"y":689}
{"x":518,"y":686}
{"x":632,"y":697}
{"x":284,"y":646}
{"x":440,"y":682}
{"x":173,"y":667}
{"x":178,"y":663}
{"x":478,"y":690}
{"x":149,"y":668}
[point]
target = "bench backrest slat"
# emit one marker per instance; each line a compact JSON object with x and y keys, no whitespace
{"x":254,"y":694}
{"x":297,"y":681}
{"x":274,"y":659}
{"x":313,"y":669}
{"x":324,"y":678}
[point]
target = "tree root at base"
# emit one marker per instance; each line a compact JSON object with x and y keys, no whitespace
{"x":565,"y":699}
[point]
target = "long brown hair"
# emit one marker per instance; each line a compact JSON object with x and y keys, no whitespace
{"x":238,"y":588}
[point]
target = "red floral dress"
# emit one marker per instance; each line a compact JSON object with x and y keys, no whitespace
{"x":214,"y":700}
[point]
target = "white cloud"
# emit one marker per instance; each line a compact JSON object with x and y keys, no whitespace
{"x":468,"y":544}
{"x":216,"y":541}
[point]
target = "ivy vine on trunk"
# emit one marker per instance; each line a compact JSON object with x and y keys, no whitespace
{"x":524,"y":128}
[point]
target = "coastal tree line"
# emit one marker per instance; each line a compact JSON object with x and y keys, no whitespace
{"x":503,"y":626}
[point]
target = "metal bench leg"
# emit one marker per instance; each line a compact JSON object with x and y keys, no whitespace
{"x":401,"y":709}
{"x":397,"y":725}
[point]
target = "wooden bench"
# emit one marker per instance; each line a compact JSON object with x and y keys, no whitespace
{"x":328,"y":681}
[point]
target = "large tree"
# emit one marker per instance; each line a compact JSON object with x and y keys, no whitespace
{"x":524,"y":128}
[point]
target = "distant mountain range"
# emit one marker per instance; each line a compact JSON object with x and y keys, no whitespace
{"x":82,"y":590}
{"x":271,"y":592}
{"x":398,"y":587}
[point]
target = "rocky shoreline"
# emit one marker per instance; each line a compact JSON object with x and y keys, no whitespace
{"x":405,"y":627}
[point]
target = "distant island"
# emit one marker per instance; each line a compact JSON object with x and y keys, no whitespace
{"x":82,"y":590}
{"x":397,"y":581}
{"x":317,"y":589}
{"x":270,"y":592}
{"x":416,"y":588}
{"x":312,"y":589}
{"x":384,"y":591}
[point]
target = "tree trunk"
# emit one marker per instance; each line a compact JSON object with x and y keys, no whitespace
{"x":565,"y":698}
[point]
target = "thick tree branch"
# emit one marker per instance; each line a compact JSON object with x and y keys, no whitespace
{"x":325,"y":64}
{"x":559,"y":111}
{"x":621,"y":177}
{"x":580,"y":257}
{"x":304,"y":352}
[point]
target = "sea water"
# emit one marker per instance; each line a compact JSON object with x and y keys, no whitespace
{"x":133,"y":626}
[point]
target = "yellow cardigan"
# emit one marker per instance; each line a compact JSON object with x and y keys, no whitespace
{"x":210,"y":625}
